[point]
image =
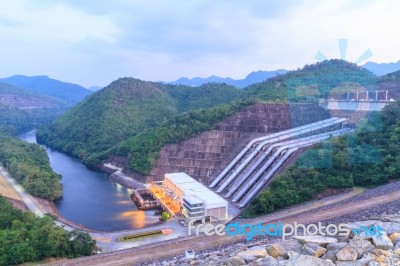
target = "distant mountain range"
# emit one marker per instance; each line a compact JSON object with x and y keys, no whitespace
{"x":253,"y":77}
{"x":260,"y":75}
{"x":68,"y":93}
{"x":383,"y":68}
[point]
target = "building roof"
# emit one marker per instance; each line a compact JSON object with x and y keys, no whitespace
{"x":194,"y":200}
{"x":191,"y":187}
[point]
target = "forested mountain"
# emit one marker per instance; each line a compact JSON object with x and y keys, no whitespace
{"x":136,"y":118}
{"x":312,"y":81}
{"x":68,"y":93}
{"x":124,"y":109}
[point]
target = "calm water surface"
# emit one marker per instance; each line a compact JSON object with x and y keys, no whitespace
{"x":90,"y":198}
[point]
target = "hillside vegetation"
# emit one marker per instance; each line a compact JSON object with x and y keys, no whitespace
{"x":369,"y":156}
{"x":123,"y":109}
{"x":143,"y":150}
{"x":312,"y":81}
{"x":24,"y":238}
{"x":395,"y":76}
{"x":29,"y":165}
{"x":135,"y":119}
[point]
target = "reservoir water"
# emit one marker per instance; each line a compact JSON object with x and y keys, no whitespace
{"x":90,"y":198}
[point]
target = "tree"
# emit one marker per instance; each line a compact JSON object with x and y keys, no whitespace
{"x":165,"y":216}
{"x":81,"y":244}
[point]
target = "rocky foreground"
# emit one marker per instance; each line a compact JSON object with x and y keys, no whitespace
{"x":352,"y":250}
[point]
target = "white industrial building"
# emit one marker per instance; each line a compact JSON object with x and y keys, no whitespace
{"x":198,"y":201}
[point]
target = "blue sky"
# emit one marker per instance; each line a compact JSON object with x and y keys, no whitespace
{"x":95,"y":42}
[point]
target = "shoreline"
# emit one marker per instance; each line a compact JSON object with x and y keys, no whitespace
{"x":48,"y":206}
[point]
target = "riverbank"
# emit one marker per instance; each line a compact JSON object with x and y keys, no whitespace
{"x":99,"y":200}
{"x":48,"y":206}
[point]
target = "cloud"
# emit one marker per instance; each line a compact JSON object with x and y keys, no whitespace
{"x":93,"y":42}
{"x":57,"y":22}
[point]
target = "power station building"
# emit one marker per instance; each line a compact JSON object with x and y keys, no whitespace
{"x":198,"y":202}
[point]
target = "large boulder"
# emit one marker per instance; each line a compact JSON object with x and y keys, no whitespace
{"x":313,"y":250}
{"x":275,"y":250}
{"x":362,"y":246}
{"x":382,"y":241}
{"x":267,"y":261}
{"x":318,"y":240}
{"x":253,"y":253}
{"x":305,"y":260}
{"x":336,"y":246}
{"x":235,"y":261}
{"x":395,"y":238}
{"x":347,"y":253}
{"x":364,"y":261}
{"x":332,"y":249}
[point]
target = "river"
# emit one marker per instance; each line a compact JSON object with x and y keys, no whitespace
{"x":90,"y":198}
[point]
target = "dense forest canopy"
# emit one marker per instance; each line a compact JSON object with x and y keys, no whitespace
{"x":124,"y":109}
{"x":29,"y":165}
{"x":24,"y":238}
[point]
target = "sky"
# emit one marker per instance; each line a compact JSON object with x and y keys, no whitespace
{"x":91,"y":42}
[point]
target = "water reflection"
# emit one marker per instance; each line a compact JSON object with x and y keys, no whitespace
{"x":139,"y":218}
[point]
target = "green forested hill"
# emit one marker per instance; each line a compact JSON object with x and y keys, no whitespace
{"x":204,"y":96}
{"x":316,"y":80}
{"x":124,"y":109}
{"x":135,"y":118}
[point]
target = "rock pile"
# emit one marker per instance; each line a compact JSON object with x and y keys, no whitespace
{"x":353,"y":250}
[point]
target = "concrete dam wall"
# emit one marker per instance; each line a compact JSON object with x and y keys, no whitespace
{"x":205,"y":155}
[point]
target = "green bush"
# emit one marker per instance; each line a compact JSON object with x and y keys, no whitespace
{"x":165,"y":216}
